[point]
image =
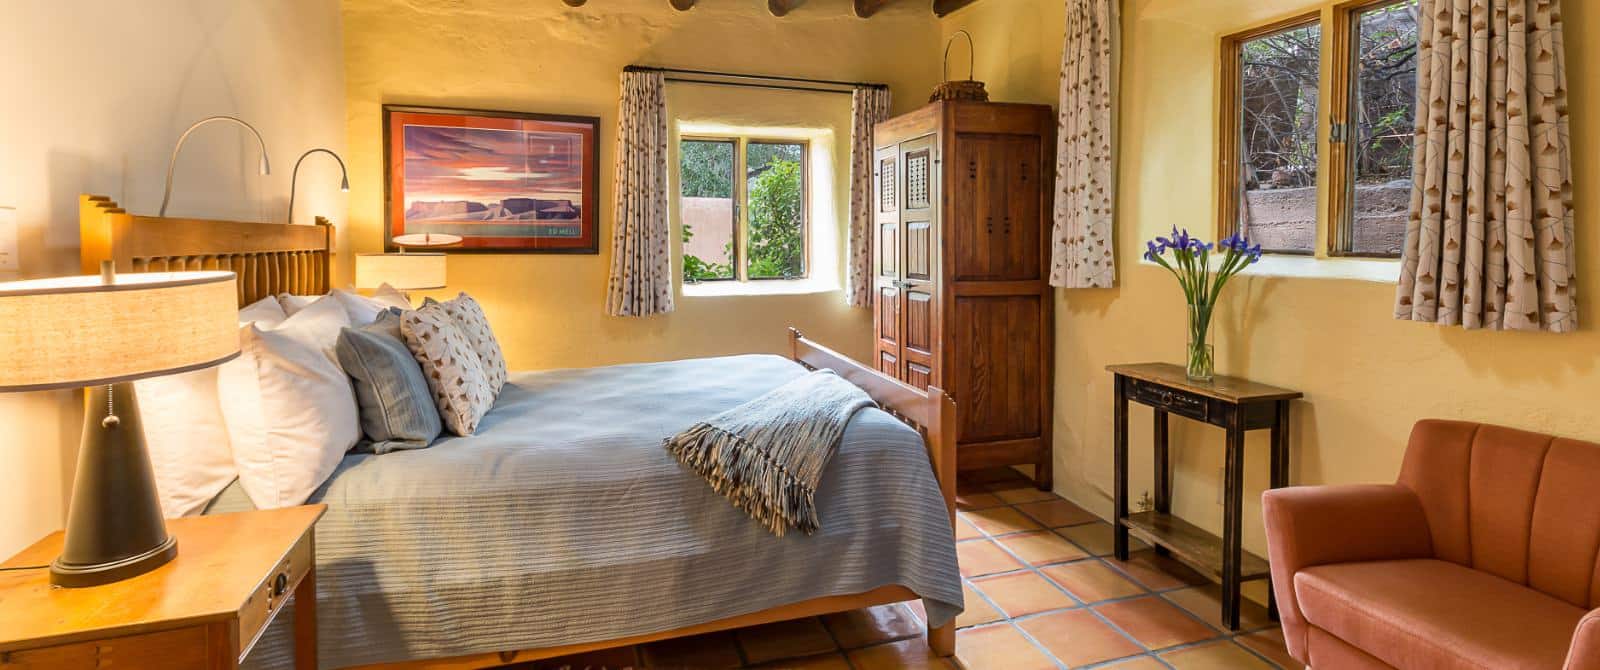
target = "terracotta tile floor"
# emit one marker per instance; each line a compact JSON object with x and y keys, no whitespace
{"x":1042,"y":591}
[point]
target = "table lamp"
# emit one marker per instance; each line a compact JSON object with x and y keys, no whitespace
{"x":103,"y":333}
{"x":404,"y":271}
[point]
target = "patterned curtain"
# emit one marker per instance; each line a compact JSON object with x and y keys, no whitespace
{"x":1085,"y":189}
{"x":641,"y":251}
{"x":1490,"y":239}
{"x":868,"y":106}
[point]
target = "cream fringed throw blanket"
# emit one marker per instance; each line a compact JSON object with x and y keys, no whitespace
{"x":767,"y":455}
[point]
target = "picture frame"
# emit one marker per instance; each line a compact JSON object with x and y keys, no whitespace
{"x":506,"y":182}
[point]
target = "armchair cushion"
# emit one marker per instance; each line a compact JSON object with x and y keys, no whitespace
{"x":1318,"y":525}
{"x":1437,"y":614}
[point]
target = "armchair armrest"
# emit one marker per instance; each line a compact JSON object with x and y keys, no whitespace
{"x":1319,"y":525}
{"x":1585,"y":651}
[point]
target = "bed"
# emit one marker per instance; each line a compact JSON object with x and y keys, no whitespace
{"x":562,"y":526}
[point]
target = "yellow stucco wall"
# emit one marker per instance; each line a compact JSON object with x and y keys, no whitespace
{"x":1367,"y":377}
{"x":546,"y":57}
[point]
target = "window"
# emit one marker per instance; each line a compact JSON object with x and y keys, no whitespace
{"x":1271,"y":133}
{"x":743,"y":228}
{"x":1271,"y":130}
{"x":1372,"y":133}
{"x":705,"y":176}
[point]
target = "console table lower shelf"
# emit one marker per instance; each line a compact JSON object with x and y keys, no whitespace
{"x":1191,"y":545}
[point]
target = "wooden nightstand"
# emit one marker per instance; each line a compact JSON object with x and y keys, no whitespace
{"x":205,"y":609}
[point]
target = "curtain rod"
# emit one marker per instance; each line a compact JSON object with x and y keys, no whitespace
{"x":762,"y":77}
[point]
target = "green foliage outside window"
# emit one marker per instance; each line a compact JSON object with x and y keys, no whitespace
{"x":706,"y":169}
{"x":777,"y":230}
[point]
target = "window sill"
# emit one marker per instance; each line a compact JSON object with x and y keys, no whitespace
{"x":1379,"y":270}
{"x":713,"y":289}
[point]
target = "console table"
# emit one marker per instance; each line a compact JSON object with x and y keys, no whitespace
{"x":1236,"y":405}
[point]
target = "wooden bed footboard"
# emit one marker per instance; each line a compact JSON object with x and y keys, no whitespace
{"x":932,"y":413}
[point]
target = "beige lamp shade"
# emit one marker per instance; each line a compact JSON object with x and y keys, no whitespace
{"x":404,"y":271}
{"x":78,"y":331}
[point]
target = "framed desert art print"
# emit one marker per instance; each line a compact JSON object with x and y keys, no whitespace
{"x":506,"y":182}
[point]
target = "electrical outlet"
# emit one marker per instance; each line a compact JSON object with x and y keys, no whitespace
{"x":8,"y":240}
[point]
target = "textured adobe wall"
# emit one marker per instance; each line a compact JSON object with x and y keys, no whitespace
{"x":1367,"y":377}
{"x":545,"y":57}
{"x":98,"y":91}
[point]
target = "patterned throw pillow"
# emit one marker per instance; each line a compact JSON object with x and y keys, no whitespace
{"x":455,"y":376}
{"x":469,"y":317}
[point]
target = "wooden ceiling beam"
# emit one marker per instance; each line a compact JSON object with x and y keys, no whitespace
{"x":866,"y":8}
{"x":943,"y":7}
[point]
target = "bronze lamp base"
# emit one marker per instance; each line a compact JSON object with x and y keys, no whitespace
{"x":114,"y":528}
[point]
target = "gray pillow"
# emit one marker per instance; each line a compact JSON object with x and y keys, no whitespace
{"x":397,"y":409}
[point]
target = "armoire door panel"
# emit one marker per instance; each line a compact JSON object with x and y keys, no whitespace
{"x":919,"y":250}
{"x":1021,"y":257}
{"x":888,"y":364}
{"x":918,"y":375}
{"x":995,"y":363}
{"x":978,"y":213}
{"x":919,"y":320}
{"x":888,"y":316}
{"x":888,"y":183}
{"x":919,"y":178}
{"x":888,"y":248}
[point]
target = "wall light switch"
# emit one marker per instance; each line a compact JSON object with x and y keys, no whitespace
{"x":8,"y":240}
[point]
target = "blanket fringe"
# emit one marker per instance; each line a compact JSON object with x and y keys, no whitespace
{"x":749,"y":479}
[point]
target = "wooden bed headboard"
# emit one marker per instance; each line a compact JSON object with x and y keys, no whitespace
{"x":269,"y":258}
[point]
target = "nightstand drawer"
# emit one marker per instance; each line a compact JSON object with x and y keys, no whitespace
{"x":270,"y":596}
{"x":181,"y":648}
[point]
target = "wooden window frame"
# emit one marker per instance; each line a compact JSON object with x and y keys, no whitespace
{"x":1337,"y":167}
{"x":1231,"y":120}
{"x":741,"y":203}
{"x":1341,"y":160}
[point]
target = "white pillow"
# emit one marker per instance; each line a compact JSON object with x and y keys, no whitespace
{"x":362,"y":310}
{"x":295,"y":303}
{"x":290,"y":410}
{"x":267,"y":311}
{"x":184,"y":431}
{"x":186,"y":438}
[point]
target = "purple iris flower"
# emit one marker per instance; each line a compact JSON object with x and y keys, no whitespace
{"x":1179,"y":240}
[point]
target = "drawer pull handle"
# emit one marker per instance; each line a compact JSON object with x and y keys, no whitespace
{"x":280,"y":585}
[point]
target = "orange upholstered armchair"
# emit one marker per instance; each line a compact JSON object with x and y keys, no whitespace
{"x":1485,"y":554}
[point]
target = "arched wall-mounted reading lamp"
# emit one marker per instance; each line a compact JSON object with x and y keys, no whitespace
{"x":266,"y":167}
{"x":294,"y":177}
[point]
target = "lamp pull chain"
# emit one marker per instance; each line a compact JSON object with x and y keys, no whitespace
{"x":111,"y":420}
{"x":108,"y":275}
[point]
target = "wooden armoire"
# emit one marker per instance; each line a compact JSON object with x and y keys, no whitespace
{"x":962,"y":195}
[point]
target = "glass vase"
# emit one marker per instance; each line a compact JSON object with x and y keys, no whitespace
{"x":1200,"y":358}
